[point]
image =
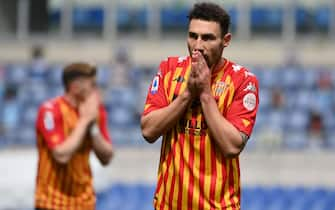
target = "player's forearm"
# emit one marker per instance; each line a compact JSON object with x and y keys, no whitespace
{"x":63,"y":152}
{"x":157,"y":122}
{"x":225,"y":135}
{"x":102,"y":149}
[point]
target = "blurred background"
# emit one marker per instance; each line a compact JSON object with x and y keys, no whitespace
{"x":288,"y":44}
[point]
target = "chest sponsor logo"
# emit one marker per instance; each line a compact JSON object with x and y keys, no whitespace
{"x":197,"y":128}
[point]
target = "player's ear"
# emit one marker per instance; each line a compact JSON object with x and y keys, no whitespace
{"x":226,"y":39}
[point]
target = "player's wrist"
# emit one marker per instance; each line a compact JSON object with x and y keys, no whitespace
{"x":85,"y":121}
{"x":205,"y":97}
{"x":94,"y":130}
{"x":186,"y":95}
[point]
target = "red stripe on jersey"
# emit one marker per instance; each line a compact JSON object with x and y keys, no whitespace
{"x":181,"y":141}
{"x":224,"y":174}
{"x":166,"y":176}
{"x":191,"y":160}
{"x":213,"y":179}
{"x":174,"y":174}
{"x":202,"y":171}
{"x":191,"y":178}
{"x":231,"y":185}
{"x":182,"y":75}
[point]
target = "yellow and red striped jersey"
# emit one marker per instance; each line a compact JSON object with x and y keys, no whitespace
{"x":64,"y":186}
{"x":192,"y":173}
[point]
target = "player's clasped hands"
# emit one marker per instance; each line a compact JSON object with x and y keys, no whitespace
{"x":89,"y":108}
{"x":200,"y":75}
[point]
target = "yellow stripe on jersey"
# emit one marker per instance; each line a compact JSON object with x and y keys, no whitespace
{"x":177,"y":171}
{"x":174,"y":82}
{"x":207,"y":172}
{"x":236,"y":179}
{"x":226,"y":187}
{"x":196,"y":174}
{"x":146,"y":106}
{"x":186,"y":175}
{"x":166,"y":83}
{"x":231,"y":94}
{"x":186,"y":76}
{"x":221,"y":177}
{"x":245,"y":122}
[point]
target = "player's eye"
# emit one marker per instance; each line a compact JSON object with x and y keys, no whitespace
{"x":193,"y":35}
{"x":207,"y":37}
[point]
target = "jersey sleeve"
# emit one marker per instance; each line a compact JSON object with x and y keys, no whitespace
{"x":49,"y":124}
{"x":156,"y":97}
{"x":103,"y":124}
{"x":243,"y":110}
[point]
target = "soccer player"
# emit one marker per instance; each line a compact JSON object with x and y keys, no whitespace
{"x":205,"y":108}
{"x":68,"y":127}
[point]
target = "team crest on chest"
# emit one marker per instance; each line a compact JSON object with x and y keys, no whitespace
{"x":220,"y":87}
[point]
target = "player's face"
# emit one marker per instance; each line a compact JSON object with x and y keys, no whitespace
{"x":205,"y":36}
{"x":84,"y":87}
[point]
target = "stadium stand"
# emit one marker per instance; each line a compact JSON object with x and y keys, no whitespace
{"x":32,"y":87}
{"x":283,"y":127}
{"x":253,"y":198}
{"x":263,"y":18}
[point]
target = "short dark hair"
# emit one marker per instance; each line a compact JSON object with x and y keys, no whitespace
{"x":211,"y":12}
{"x":76,"y":70}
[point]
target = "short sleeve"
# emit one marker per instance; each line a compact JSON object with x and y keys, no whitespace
{"x":156,"y":97}
{"x":49,"y":124}
{"x":243,"y":110}
{"x":103,"y":124}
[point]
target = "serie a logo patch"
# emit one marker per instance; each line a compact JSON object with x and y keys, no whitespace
{"x":154,"y":85}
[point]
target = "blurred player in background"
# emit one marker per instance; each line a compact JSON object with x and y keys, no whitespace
{"x":68,"y":127}
{"x":205,"y":107}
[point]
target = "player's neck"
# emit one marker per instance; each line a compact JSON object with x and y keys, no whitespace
{"x":218,"y":65}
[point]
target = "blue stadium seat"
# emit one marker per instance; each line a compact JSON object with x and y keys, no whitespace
{"x":291,"y":78}
{"x":120,"y":116}
{"x":295,"y":140}
{"x":270,"y":78}
{"x":296,"y":120}
{"x":140,"y":196}
{"x":123,"y":17}
{"x":303,"y":18}
{"x":233,"y":12}
{"x":27,"y":135}
{"x":266,"y":18}
{"x":54,"y":17}
{"x":303,"y":100}
{"x":55,"y":75}
{"x":322,"y":18}
{"x":103,"y":76}
{"x":92,"y":17}
{"x":128,"y":18}
{"x":309,"y":80}
{"x":265,"y":99}
{"x":276,"y":119}
{"x":29,"y":114}
{"x":330,"y":139}
{"x":174,"y":18}
{"x":16,"y":74}
{"x":35,"y":93}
